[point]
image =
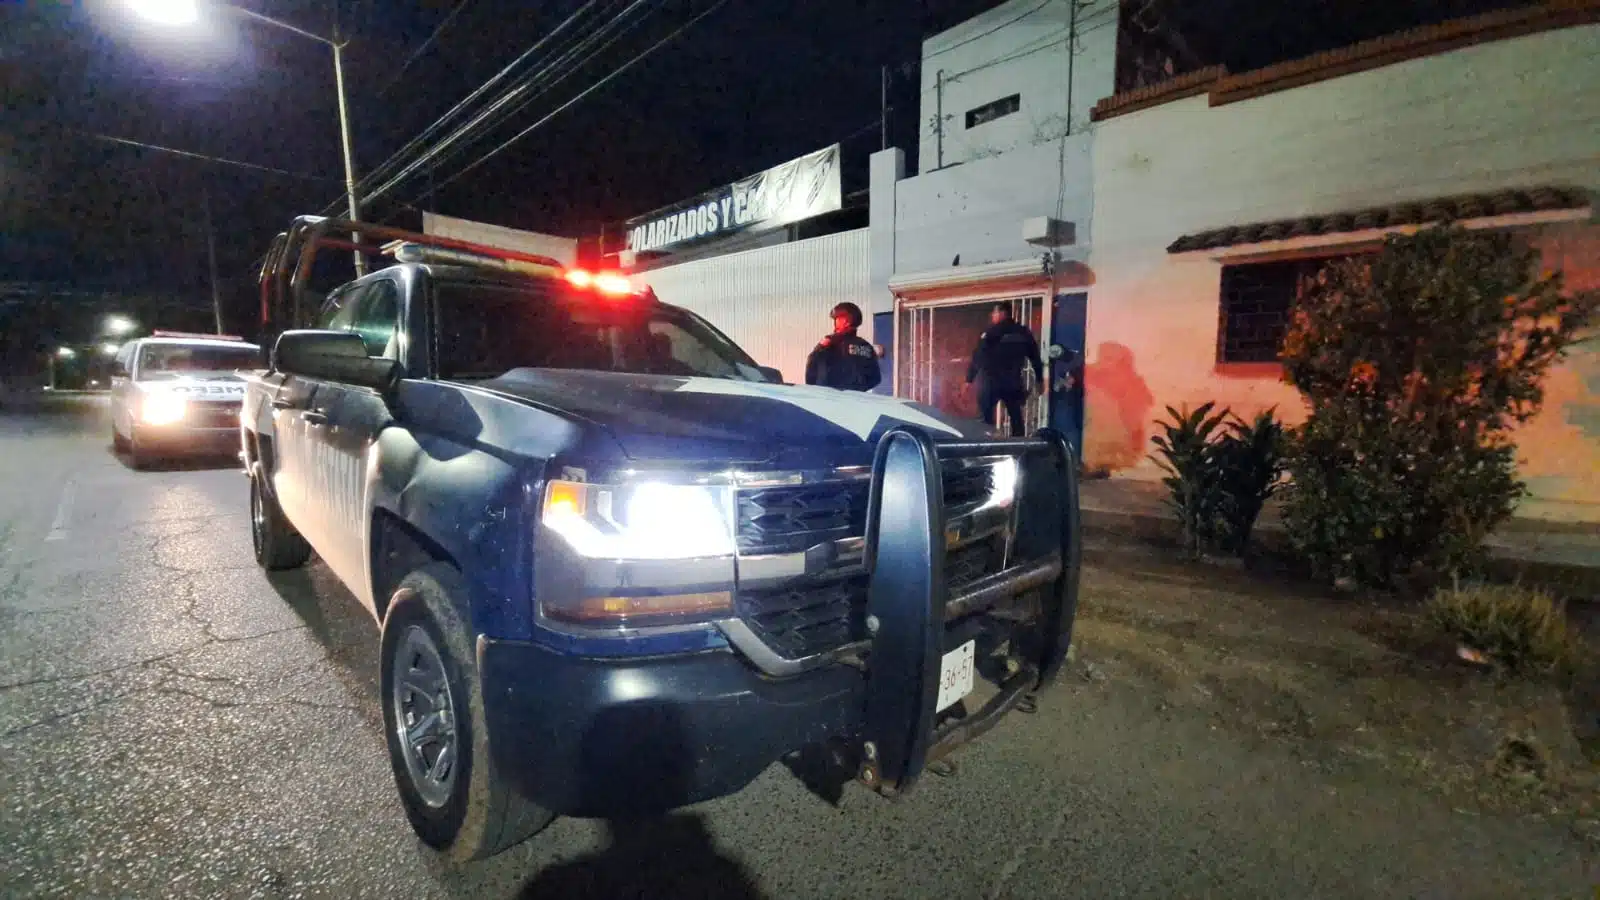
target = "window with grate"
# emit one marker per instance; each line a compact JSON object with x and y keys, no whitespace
{"x":1257,"y":300}
{"x":988,"y":112}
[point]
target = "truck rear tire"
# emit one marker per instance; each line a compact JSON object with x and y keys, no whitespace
{"x":436,"y":728}
{"x":277,"y":545}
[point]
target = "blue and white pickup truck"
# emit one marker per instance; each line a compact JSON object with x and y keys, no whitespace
{"x":618,"y":567}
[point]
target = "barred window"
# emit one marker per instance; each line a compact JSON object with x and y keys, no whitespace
{"x":1257,"y":300}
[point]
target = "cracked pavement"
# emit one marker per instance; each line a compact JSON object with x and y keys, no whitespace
{"x":174,"y":723}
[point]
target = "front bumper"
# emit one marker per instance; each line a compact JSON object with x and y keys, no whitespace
{"x":183,"y":439}
{"x":593,"y":737}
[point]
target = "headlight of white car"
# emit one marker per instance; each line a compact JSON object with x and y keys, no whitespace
{"x":162,"y":409}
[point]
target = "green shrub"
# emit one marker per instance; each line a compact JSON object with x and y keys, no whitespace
{"x":1220,"y":472}
{"x":1417,"y":363}
{"x":1519,"y":629}
{"x":1250,"y":464}
{"x":1187,"y":452}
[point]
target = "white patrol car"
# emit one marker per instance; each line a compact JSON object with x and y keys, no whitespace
{"x":178,"y":393}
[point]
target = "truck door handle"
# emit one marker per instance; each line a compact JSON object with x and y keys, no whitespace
{"x":312,"y":417}
{"x":281,"y":403}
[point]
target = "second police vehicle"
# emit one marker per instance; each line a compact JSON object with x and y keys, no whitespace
{"x":176,"y":393}
{"x":617,"y":565}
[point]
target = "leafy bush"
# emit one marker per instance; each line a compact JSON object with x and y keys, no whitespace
{"x":1417,"y":363}
{"x":1220,"y":472}
{"x":1188,"y":454}
{"x":1250,"y":464}
{"x":1516,"y":628}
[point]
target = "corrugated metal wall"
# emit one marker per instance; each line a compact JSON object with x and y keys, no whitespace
{"x":773,"y":301}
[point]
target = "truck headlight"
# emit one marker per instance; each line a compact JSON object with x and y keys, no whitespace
{"x":162,"y":409}
{"x":642,"y":521}
{"x":625,"y":557}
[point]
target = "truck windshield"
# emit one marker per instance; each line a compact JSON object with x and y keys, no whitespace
{"x":485,"y":330}
{"x":159,"y":361}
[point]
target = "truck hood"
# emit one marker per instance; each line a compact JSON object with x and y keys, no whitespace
{"x":658,"y":417}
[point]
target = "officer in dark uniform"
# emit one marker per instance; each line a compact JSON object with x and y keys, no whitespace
{"x":1005,"y":348}
{"x":843,"y":360}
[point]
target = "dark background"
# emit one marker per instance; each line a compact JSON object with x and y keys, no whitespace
{"x":755,"y":83}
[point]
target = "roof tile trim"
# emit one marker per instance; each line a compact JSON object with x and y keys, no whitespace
{"x":1413,"y":43}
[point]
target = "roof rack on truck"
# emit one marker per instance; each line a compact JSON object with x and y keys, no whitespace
{"x":286,"y":269}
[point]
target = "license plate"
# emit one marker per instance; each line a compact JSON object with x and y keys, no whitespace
{"x":955,"y":675}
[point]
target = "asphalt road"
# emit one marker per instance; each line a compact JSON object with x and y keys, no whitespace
{"x":173,"y":723}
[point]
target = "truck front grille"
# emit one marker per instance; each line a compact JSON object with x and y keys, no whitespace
{"x":212,"y":415}
{"x":811,"y":616}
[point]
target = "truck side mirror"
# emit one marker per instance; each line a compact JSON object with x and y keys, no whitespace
{"x":771,"y":374}
{"x":335,"y":356}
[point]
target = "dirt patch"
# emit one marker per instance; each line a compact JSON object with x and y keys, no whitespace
{"x":1342,"y":678}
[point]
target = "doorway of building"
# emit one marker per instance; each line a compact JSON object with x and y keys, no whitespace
{"x":1069,"y":316}
{"x":934,"y":347}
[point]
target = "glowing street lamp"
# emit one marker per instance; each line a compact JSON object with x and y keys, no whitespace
{"x":109,"y":348}
{"x":65,"y":353}
{"x":118,"y":325}
{"x":174,"y":13}
{"x":182,"y":13}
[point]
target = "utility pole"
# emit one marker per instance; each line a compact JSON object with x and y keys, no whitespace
{"x":211,"y":257}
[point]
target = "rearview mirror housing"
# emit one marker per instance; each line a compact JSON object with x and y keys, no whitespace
{"x":336,"y":356}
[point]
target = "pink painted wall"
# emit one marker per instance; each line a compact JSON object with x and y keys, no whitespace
{"x":1515,"y":113}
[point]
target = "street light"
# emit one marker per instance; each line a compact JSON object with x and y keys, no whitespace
{"x":109,"y":348}
{"x":65,"y":353}
{"x":118,"y":325}
{"x":179,"y":13}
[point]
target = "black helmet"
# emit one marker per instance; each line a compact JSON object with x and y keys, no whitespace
{"x":848,"y":309}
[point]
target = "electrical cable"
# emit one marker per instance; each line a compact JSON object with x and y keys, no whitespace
{"x":494,"y":113}
{"x":382,"y":168}
{"x":979,"y":37}
{"x":422,"y":48}
{"x":586,"y":92}
{"x":189,"y":154}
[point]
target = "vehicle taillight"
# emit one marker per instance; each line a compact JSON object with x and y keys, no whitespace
{"x":610,"y":283}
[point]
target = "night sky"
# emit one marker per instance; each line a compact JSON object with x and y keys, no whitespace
{"x":754,"y":83}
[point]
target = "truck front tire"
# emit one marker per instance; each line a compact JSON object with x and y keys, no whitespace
{"x":277,"y":544}
{"x":433,"y":711}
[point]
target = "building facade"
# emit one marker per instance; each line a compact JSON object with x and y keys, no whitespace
{"x":1214,"y":192}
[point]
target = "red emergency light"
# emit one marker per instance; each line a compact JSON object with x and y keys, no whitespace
{"x":195,"y":334}
{"x":612,"y":284}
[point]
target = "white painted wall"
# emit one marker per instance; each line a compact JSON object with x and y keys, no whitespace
{"x":1512,"y":113}
{"x":1020,"y":47}
{"x":774,"y":301}
{"x":563,"y":250}
{"x":976,"y":209}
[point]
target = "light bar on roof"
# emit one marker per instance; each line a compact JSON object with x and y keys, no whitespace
{"x":195,"y":334}
{"x":407,"y":252}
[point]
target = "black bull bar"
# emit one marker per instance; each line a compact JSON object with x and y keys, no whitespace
{"x":908,"y":603}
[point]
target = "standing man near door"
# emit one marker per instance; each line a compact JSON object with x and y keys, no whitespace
{"x":843,"y":360}
{"x":1003,"y":352}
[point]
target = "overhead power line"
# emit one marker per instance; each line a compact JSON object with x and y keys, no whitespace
{"x":423,"y":47}
{"x":188,"y":154}
{"x":586,"y":92}
{"x":384,"y":168}
{"x":512,"y":99}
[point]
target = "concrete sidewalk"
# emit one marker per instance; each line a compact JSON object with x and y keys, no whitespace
{"x":1563,"y":554}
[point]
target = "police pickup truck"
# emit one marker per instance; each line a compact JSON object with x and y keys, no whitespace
{"x":618,"y":567}
{"x":178,"y":393}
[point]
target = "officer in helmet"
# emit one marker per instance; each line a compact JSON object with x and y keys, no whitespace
{"x":843,"y":360}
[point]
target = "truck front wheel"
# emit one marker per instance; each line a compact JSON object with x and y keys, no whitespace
{"x":277,"y":544}
{"x":437,"y":732}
